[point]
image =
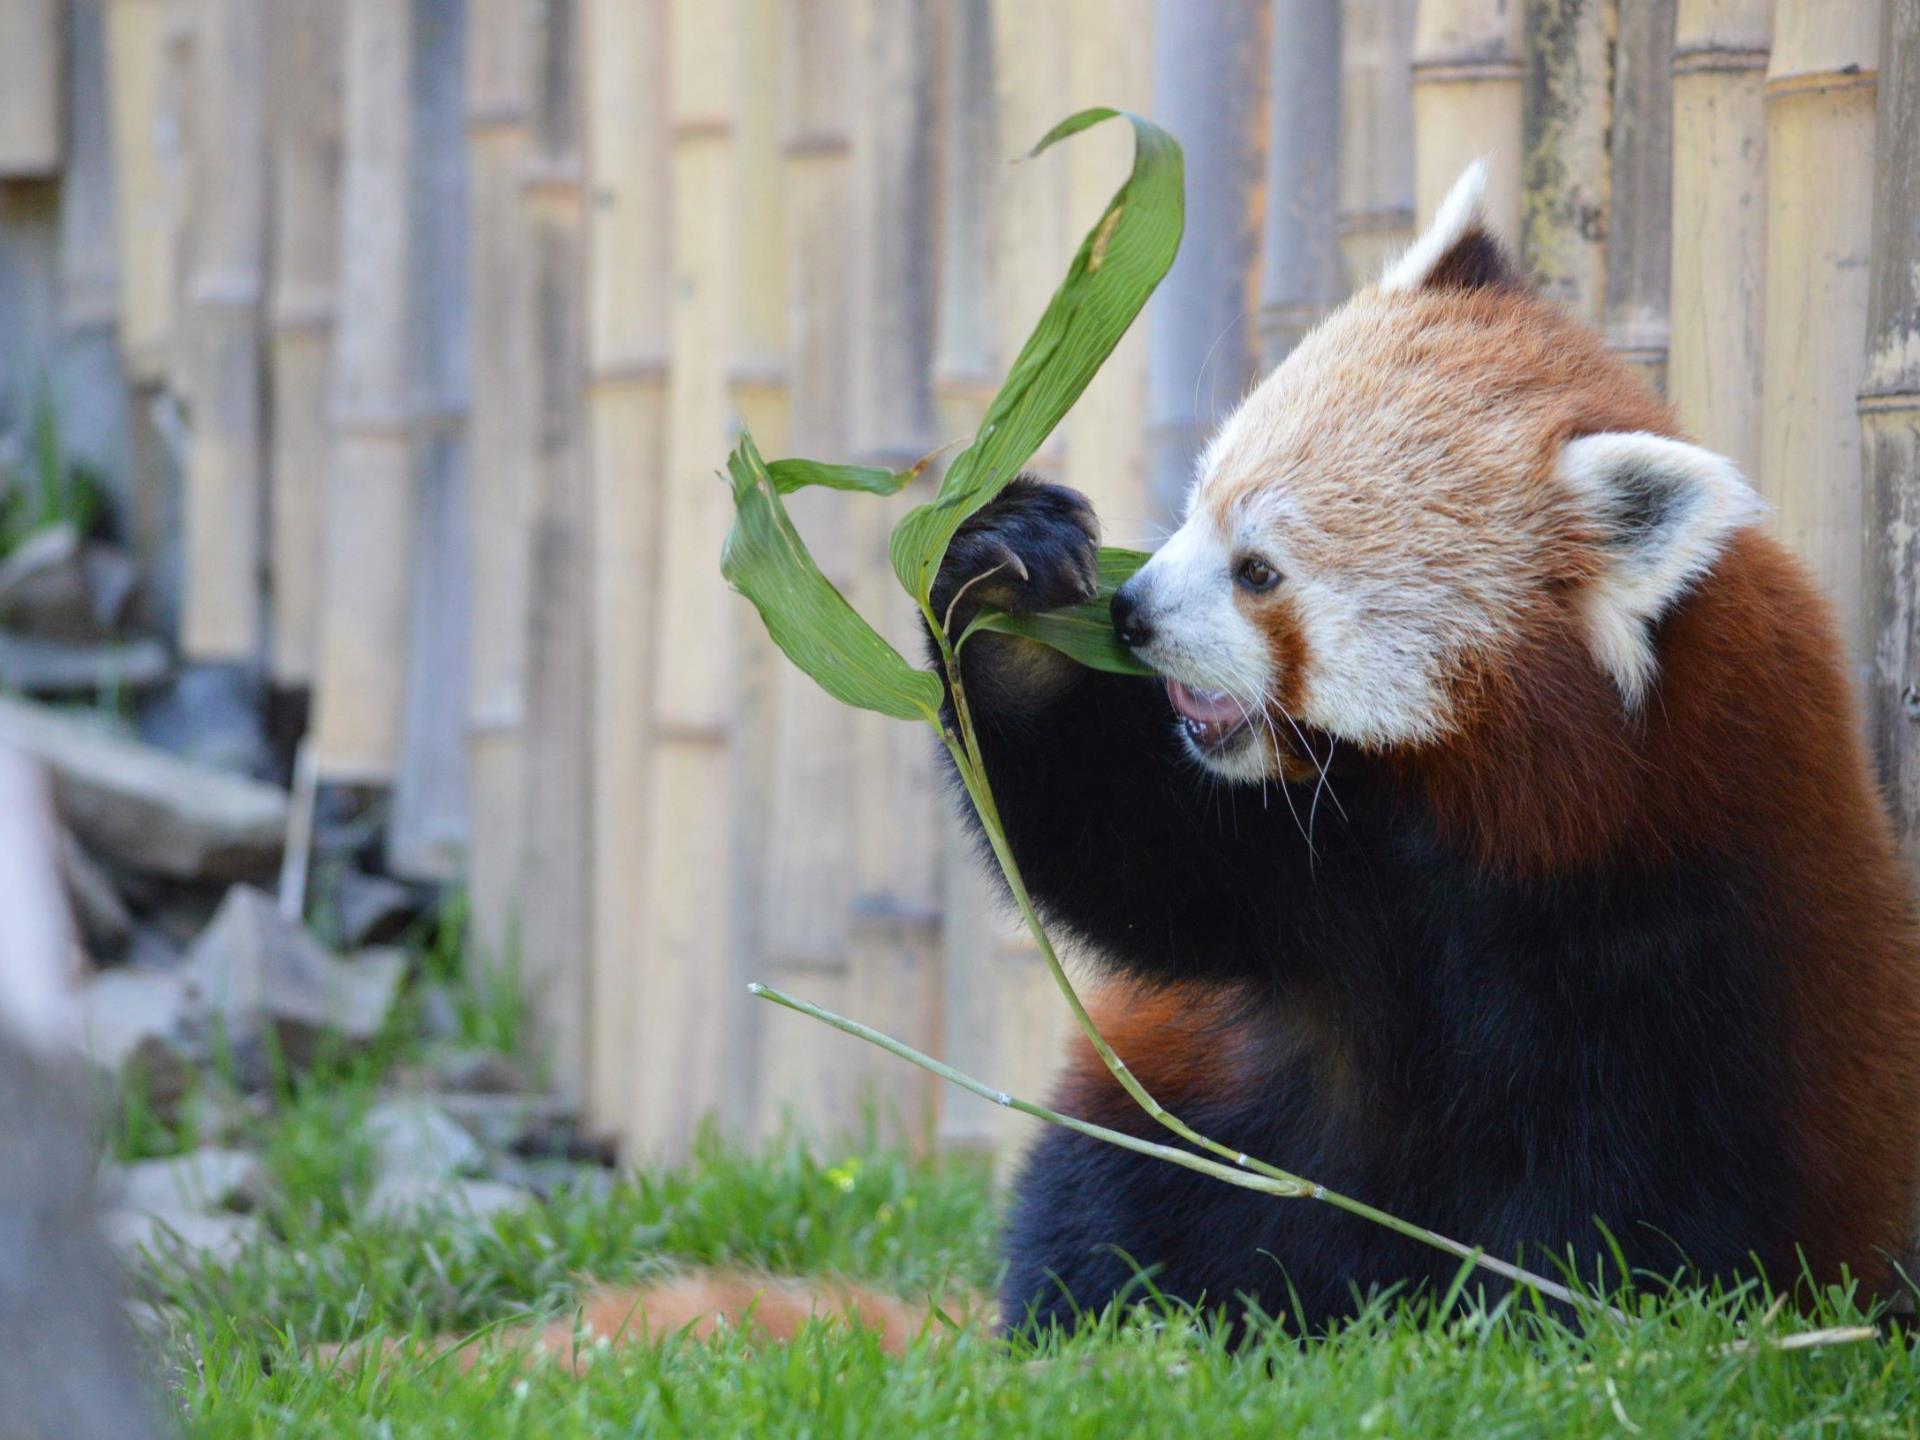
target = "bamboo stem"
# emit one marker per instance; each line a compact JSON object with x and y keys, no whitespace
{"x":32,"y":35}
{"x":1376,"y":135}
{"x":1467,"y":84}
{"x":1640,"y":218}
{"x":1300,"y":256}
{"x":1566,"y":180}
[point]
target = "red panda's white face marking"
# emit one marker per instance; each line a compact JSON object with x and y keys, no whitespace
{"x":1446,"y":467}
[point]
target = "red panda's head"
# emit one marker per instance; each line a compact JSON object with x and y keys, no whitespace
{"x":1449,"y":472}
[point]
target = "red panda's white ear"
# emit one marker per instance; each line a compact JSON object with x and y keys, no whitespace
{"x":1458,"y":250}
{"x":1664,"y":510}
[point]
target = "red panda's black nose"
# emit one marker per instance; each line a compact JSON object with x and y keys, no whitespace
{"x":1129,"y":617}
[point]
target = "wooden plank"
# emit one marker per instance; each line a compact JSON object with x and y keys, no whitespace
{"x":1300,"y":256}
{"x":148,"y":188}
{"x":1376,"y":135}
{"x":1466,"y":104}
{"x":32,"y":64}
{"x":371,"y":494}
{"x":427,"y":832}
{"x":1820,"y":127}
{"x":1567,"y":173}
{"x":1719,"y":223}
{"x":1890,"y":428}
{"x":556,"y":904}
{"x":501,"y":448}
{"x":1640,"y":209}
{"x":226,"y":464}
{"x":687,"y":1062}
{"x":1210,"y":89}
{"x":627,"y":272}
{"x":304,"y":44}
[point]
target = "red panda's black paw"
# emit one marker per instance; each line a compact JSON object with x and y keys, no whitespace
{"x":1032,"y":549}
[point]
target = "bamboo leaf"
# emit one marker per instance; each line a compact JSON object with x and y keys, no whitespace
{"x":791,"y":475}
{"x":1083,"y":631}
{"x":1117,"y":267}
{"x":766,"y":560}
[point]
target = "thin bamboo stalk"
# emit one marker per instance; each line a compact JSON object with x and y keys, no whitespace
{"x":1210,"y":89}
{"x":1820,"y":125}
{"x":557,"y":939}
{"x":501,"y":439}
{"x":627,"y":276}
{"x":428,"y":830}
{"x":1567,"y":173}
{"x":371,"y":494}
{"x":303,"y":58}
{"x":1890,"y":427}
{"x":1639,"y":222}
{"x":807,"y":901}
{"x":894,"y":959}
{"x":32,"y":115}
{"x":1300,"y":256}
{"x":225,"y":469}
{"x":688,"y":967}
{"x":1376,"y":135}
{"x":1467,"y":86}
{"x":1719,"y":223}
{"x":147,"y":191}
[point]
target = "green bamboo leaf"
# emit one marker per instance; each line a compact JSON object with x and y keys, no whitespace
{"x":1084,"y":631}
{"x":766,"y":560}
{"x":791,"y":475}
{"x":1118,"y":265}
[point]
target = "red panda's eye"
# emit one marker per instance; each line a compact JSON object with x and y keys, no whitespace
{"x":1256,"y":574}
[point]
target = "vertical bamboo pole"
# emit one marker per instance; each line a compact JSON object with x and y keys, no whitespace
{"x":1300,"y":255}
{"x":1467,"y":86}
{"x":1890,"y":427}
{"x":146,"y":192}
{"x":1719,"y":223}
{"x":894,"y":933}
{"x":627,"y":243}
{"x":556,"y":938}
{"x":31,"y":68}
{"x":808,"y":892}
{"x":1376,"y":135}
{"x":1566,"y":170}
{"x":1639,"y":222}
{"x":303,"y":62}
{"x":688,"y":975}
{"x":1210,"y":89}
{"x":225,"y":475}
{"x":370,"y":485}
{"x":427,"y":832}
{"x":501,"y":304}
{"x":1820,"y":123}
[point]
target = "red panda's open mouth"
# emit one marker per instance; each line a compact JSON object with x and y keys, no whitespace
{"x":1212,"y":717}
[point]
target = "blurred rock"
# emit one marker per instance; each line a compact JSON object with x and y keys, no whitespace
{"x":136,"y":1235}
{"x":416,"y":1197}
{"x":439,"y":1011}
{"x":58,"y":586}
{"x":476,"y":1071}
{"x":416,"y":1138}
{"x":253,"y":971}
{"x":213,"y":715}
{"x":131,"y":1028}
{"x":502,"y":1122}
{"x":548,"y":1178}
{"x":149,"y":948}
{"x":210,"y":1180}
{"x":30,"y":665}
{"x":371,"y":909}
{"x":145,"y":809}
{"x":105,"y":924}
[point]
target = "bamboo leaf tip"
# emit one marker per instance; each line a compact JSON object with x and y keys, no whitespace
{"x":754,"y":987}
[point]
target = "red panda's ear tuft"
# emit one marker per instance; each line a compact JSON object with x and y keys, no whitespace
{"x":1663,"y":512}
{"x":1457,"y":251}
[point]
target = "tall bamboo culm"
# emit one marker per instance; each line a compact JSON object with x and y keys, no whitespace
{"x":1300,"y":256}
{"x":1820,"y":125}
{"x":1566,"y":172}
{"x":32,"y":109}
{"x":1467,"y":87}
{"x":1640,"y":209}
{"x":1376,"y":135}
{"x":303,"y":59}
{"x":626,"y":135}
{"x":687,"y":976}
{"x":147,"y":193}
{"x":1720,"y":208}
{"x":370,"y":504}
{"x":1890,"y":428}
{"x":221,"y":359}
{"x":501,"y":291}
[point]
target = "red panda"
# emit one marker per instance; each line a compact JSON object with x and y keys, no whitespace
{"x":1499,"y":848}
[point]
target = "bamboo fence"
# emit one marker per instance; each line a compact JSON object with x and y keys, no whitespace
{"x":418,"y":329}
